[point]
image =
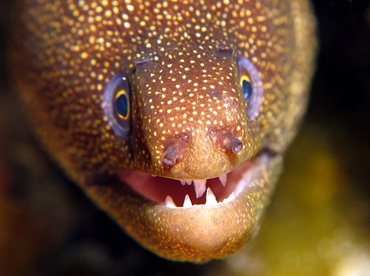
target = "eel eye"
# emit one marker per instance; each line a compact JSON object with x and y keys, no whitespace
{"x":251,"y":85}
{"x":117,"y":105}
{"x":245,"y":83}
{"x":122,"y":105}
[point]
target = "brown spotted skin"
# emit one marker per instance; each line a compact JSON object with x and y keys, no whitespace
{"x":67,"y":51}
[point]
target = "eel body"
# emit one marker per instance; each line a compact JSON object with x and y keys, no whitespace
{"x":171,"y":115}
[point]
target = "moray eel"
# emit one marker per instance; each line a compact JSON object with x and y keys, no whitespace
{"x":172,"y":116}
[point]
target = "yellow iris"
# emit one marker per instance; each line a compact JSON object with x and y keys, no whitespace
{"x":122,"y":114}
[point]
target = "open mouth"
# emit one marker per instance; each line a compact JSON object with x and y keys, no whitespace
{"x":191,"y":220}
{"x":187,"y":193}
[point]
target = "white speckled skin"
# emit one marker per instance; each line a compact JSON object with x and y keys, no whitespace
{"x":180,"y":59}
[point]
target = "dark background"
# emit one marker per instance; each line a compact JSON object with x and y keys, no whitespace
{"x":48,"y":227}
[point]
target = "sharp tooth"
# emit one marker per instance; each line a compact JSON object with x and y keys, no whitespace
{"x":187,"y":202}
{"x":169,"y":202}
{"x":200,"y":187}
{"x":210,"y":197}
{"x":230,"y":198}
{"x":223,"y":179}
{"x":188,"y":181}
{"x":183,"y":182}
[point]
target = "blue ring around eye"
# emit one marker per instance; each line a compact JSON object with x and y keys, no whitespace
{"x":116,"y":105}
{"x":255,"y":98}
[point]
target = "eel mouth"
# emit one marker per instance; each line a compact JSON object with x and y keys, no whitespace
{"x":187,"y":193}
{"x":192,"y":220}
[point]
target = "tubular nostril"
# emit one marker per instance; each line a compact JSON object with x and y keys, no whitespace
{"x":142,"y":63}
{"x":225,"y":141}
{"x":233,"y":144}
{"x":170,"y":156}
{"x":177,"y":150}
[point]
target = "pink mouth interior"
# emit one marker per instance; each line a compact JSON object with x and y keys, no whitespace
{"x":157,"y":188}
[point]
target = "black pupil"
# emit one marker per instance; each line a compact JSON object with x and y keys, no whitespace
{"x":122,"y":105}
{"x":247,"y":90}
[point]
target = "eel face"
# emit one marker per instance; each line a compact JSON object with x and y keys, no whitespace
{"x":172,"y":116}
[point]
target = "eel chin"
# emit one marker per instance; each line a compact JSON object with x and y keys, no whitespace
{"x":192,"y":220}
